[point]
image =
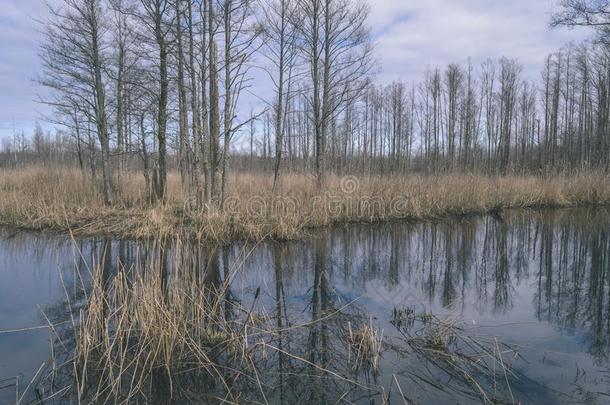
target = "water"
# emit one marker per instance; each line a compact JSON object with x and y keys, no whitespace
{"x":532,"y":286}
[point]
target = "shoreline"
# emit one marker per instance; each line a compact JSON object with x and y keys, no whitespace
{"x":57,"y":200}
{"x":303,"y":233}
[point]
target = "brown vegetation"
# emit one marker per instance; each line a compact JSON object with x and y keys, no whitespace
{"x":160,"y":329}
{"x":62,"y":199}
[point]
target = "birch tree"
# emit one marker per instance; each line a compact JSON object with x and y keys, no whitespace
{"x":75,"y":64}
{"x":279,"y":40}
{"x":335,"y":42}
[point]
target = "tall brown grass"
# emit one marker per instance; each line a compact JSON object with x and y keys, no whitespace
{"x":66,"y":199}
{"x":160,"y":330}
{"x":140,"y":329}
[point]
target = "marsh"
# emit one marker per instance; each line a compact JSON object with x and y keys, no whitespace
{"x":510,"y":308}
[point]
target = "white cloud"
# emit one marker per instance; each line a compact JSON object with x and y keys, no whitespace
{"x":19,"y":65}
{"x":417,"y":34}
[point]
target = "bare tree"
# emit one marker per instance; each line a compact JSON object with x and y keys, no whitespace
{"x":453,"y":87}
{"x":156,"y":21}
{"x":195,"y":112}
{"x":594,"y":13}
{"x":335,"y":41}
{"x":214,"y":108}
{"x":127,"y":75}
{"x":509,"y":81}
{"x":183,"y":137}
{"x":75,"y":63}
{"x":240,"y":34}
{"x":280,"y":41}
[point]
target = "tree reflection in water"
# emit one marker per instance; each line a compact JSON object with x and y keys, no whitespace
{"x":503,"y":281}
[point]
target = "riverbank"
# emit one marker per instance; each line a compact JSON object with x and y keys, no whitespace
{"x":63,"y":200}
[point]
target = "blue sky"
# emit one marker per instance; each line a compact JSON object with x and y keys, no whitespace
{"x":410,"y":36}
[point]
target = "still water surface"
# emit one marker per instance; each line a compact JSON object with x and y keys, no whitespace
{"x":534,"y":285}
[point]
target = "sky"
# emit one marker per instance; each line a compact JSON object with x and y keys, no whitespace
{"x":410,"y":37}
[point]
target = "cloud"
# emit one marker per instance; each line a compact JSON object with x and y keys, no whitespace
{"x":19,"y":64}
{"x":413,"y":35}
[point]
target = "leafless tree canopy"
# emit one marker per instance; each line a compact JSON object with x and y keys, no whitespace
{"x":583,"y":12}
{"x":157,"y":85}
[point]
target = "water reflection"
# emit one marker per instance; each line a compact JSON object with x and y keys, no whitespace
{"x":537,"y":281}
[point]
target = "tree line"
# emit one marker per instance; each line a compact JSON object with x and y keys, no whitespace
{"x":158,"y":85}
{"x":155,"y":78}
{"x":485,"y":119}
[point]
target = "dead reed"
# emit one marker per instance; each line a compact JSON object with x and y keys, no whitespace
{"x":165,"y":330}
{"x":149,"y":333}
{"x":162,"y":332}
{"x":366,"y":345}
{"x":64,"y":199}
{"x":458,"y":357}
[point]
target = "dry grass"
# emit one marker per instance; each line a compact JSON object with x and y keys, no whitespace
{"x":138,"y":332}
{"x":145,"y":335}
{"x":157,"y":331}
{"x":463,"y":359}
{"x":366,"y":345}
{"x":63,"y":199}
{"x":162,"y":331}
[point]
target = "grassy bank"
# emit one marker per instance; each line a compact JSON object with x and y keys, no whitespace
{"x":63,"y":199}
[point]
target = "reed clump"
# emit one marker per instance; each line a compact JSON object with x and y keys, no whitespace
{"x":366,"y":344}
{"x":166,"y":331}
{"x":169,"y":328}
{"x":65,"y":199}
{"x":152,"y":333}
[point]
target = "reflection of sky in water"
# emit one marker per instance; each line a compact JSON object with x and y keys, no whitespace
{"x":493,"y":275}
{"x":27,"y":277}
{"x":533,"y":280}
{"x":29,"y":282}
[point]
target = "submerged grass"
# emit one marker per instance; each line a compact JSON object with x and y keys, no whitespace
{"x":460,"y":358}
{"x":64,"y":199}
{"x":162,"y":331}
{"x":366,"y":345}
